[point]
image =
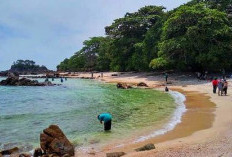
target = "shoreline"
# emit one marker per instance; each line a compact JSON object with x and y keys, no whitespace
{"x":213,"y":137}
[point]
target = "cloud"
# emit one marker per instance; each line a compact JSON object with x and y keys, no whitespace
{"x":49,"y":31}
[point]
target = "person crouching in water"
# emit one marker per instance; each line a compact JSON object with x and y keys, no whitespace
{"x":106,"y":118}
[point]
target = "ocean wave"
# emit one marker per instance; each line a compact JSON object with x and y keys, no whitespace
{"x":175,"y":119}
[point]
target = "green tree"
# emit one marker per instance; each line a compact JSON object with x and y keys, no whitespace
{"x":196,"y":37}
{"x":127,"y":32}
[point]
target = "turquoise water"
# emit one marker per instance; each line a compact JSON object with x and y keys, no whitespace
{"x":26,"y":111}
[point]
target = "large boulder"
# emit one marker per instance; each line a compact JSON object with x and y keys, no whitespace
{"x":53,"y":141}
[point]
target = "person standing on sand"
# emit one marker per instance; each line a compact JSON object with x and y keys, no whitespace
{"x":225,"y":87}
{"x":166,"y":77}
{"x":106,"y":118}
{"x":215,"y":84}
{"x":220,"y":87}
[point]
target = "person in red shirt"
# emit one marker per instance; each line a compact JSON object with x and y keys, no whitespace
{"x":215,"y":84}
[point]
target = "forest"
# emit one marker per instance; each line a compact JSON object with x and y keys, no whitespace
{"x":27,"y":66}
{"x":196,"y":36}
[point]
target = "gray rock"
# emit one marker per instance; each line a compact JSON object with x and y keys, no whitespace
{"x":149,"y":146}
{"x":115,"y":154}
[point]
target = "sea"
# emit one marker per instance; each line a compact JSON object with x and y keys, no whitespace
{"x":74,"y":106}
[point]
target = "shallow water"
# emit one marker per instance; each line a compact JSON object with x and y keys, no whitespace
{"x":26,"y":111}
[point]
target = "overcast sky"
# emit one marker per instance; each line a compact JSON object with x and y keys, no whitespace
{"x":47,"y":31}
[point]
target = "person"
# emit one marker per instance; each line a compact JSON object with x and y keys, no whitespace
{"x":166,"y":89}
{"x":198,"y":76}
{"x":46,"y":80}
{"x":215,"y":84}
{"x":61,"y":79}
{"x":225,"y":86}
{"x":166,"y":77}
{"x":220,"y":87}
{"x":106,"y":118}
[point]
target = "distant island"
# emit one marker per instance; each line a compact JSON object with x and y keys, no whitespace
{"x":25,"y":67}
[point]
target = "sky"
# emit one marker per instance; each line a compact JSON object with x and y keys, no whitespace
{"x":48,"y":31}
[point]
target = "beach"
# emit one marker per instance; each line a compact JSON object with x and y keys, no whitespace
{"x":204,"y":131}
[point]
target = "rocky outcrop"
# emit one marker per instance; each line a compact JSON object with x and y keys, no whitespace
{"x":115,"y":154}
{"x":15,"y":81}
{"x":9,"y":151}
{"x":53,"y":141}
{"x":123,"y":86}
{"x":142,"y":84}
{"x":149,"y":146}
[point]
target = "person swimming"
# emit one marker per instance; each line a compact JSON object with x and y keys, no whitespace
{"x":106,"y":118}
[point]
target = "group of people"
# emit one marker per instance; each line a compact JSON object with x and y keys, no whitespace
{"x":221,"y":85}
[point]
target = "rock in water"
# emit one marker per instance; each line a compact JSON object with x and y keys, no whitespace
{"x":15,"y":81}
{"x":146,"y":147}
{"x":115,"y":154}
{"x":38,"y":152}
{"x":10,"y":151}
{"x":123,"y":86}
{"x":142,"y":84}
{"x":53,"y":141}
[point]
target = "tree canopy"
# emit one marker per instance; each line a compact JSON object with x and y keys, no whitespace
{"x":194,"y":36}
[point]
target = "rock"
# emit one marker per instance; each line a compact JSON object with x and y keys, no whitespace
{"x":25,"y":155}
{"x":53,"y":141}
{"x":115,"y":154}
{"x":38,"y":152}
{"x":142,"y":84}
{"x":114,"y":75}
{"x":123,"y":86}
{"x":10,"y":151}
{"x":15,"y":81}
{"x":146,"y":147}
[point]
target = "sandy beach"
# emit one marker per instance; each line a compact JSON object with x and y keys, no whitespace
{"x":205,"y":129}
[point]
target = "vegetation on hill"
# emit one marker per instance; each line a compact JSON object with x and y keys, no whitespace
{"x":194,"y":36}
{"x":22,"y":66}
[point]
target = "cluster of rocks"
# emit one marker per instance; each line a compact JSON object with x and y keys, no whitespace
{"x":126,"y":86}
{"x":53,"y":143}
{"x":13,"y":80}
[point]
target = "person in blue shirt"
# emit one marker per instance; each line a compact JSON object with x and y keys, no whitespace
{"x":106,"y":118}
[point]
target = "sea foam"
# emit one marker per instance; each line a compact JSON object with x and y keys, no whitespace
{"x":175,"y":119}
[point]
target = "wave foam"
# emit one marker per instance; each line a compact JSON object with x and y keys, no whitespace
{"x":176,"y":118}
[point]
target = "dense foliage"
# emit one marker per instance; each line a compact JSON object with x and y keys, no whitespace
{"x":194,"y":36}
{"x":27,"y":66}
